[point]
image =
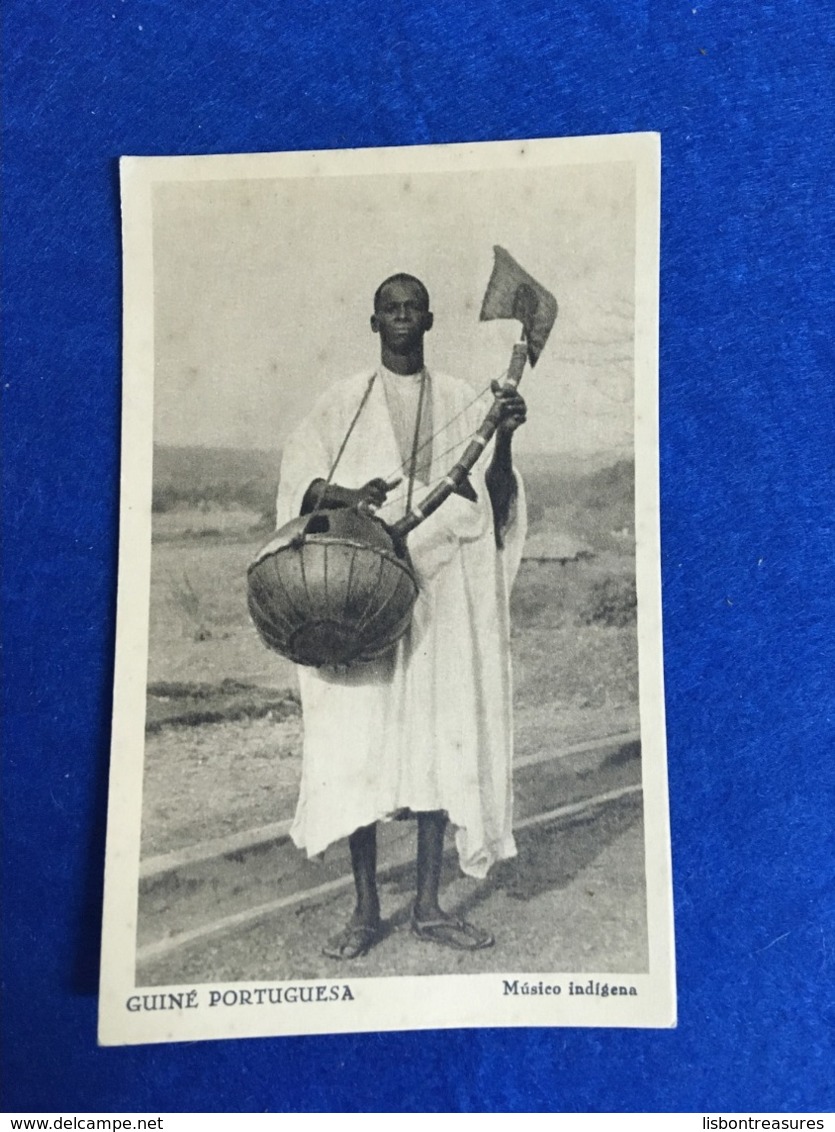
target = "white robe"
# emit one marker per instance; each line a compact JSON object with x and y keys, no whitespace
{"x":428,"y":727}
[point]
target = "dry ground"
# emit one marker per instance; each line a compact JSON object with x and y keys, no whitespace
{"x":575,"y":670}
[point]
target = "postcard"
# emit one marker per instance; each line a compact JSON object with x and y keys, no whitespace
{"x":388,"y":744}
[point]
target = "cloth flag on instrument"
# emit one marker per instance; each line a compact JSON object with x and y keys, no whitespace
{"x":513,"y":293}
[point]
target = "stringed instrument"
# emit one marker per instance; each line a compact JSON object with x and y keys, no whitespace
{"x":337,"y":587}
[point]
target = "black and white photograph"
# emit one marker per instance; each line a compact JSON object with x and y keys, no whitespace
{"x":388,"y":735}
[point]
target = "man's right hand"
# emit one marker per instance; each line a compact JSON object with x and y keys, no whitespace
{"x":370,"y":495}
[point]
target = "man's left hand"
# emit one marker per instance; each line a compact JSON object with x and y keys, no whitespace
{"x":514,"y":411}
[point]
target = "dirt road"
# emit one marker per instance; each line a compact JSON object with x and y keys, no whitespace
{"x":573,"y":898}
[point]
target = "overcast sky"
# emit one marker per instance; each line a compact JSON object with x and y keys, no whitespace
{"x":263,"y":292}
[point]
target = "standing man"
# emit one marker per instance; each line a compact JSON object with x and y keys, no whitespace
{"x":425,"y":731}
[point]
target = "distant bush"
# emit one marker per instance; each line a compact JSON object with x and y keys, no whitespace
{"x":250,"y":495}
{"x":213,"y":479}
{"x":590,"y":506}
{"x":164,"y":499}
{"x":612,"y":602}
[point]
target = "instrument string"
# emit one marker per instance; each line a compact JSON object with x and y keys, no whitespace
{"x":416,"y":447}
{"x":438,"y":456}
{"x":487,"y":389}
{"x":435,"y":478}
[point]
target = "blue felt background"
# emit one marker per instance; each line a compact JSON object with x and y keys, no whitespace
{"x":742,"y":94}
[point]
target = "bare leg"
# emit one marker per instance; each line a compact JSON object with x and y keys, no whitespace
{"x":429,"y":921}
{"x":363,"y":845}
{"x":430,"y":856}
{"x":363,"y":929}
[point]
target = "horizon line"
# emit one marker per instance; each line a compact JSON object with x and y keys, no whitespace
{"x":277,"y":449}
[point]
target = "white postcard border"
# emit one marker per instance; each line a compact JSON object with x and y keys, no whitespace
{"x":418,"y":1002}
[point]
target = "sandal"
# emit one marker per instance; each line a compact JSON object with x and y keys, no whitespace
{"x":354,"y":941}
{"x":451,"y":932}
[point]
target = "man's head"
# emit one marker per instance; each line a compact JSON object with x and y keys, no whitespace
{"x":401,"y":313}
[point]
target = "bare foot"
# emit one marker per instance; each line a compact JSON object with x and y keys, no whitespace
{"x":353,"y":941}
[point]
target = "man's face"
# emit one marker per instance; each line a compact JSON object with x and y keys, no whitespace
{"x":402,"y":317}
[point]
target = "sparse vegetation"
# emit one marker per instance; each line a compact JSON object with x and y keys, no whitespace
{"x":612,"y":601}
{"x":186,"y":601}
{"x":223,"y":713}
{"x":175,"y":703}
